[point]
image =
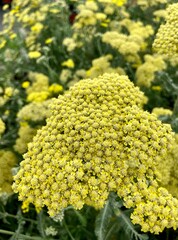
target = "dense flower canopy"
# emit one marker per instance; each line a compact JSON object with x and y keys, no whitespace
{"x":97,"y":140}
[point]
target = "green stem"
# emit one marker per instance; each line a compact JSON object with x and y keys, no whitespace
{"x":40,"y":221}
{"x":6,"y":232}
{"x":13,"y":216}
{"x":65,"y":225}
{"x":20,"y":235}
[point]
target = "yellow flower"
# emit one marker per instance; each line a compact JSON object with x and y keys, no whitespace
{"x":26,"y":84}
{"x":119,"y":3}
{"x":98,"y":139}
{"x":69,"y":63}
{"x":2,"y":44}
{"x":12,"y":36}
{"x":103,"y":24}
{"x":40,"y":82}
{"x":55,"y":88}
{"x":7,"y":161}
{"x":37,"y":27}
{"x":2,"y":126}
{"x":55,"y":11}
{"x":8,"y":92}
{"x":116,"y":2}
{"x":162,"y":111}
{"x":25,"y":135}
{"x":49,"y":40}
{"x":35,"y":111}
{"x":156,"y":88}
{"x":146,"y":4}
{"x":5,"y":7}
{"x":37,"y":96}
{"x":146,"y":72}
{"x":34,"y":54}
{"x":101,"y":16}
{"x":69,"y":43}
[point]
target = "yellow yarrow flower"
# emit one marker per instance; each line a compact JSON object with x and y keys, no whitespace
{"x":34,"y":54}
{"x":25,"y":135}
{"x":26,"y":84}
{"x":40,"y":82}
{"x":5,"y":7}
{"x":98,"y":140}
{"x":37,"y":27}
{"x":2,"y":44}
{"x":101,"y":16}
{"x":7,"y":161}
{"x":119,"y":3}
{"x":55,"y":88}
{"x":12,"y":36}
{"x":69,"y":43}
{"x":156,"y":88}
{"x":162,"y":111}
{"x":49,"y":40}
{"x":55,"y":11}
{"x":37,"y":96}
{"x":8,"y":92}
{"x":35,"y":111}
{"x":145,"y":73}
{"x":69,"y":63}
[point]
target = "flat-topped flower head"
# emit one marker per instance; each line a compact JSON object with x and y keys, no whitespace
{"x":97,"y":140}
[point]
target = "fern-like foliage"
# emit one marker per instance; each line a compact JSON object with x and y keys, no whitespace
{"x":103,"y":227}
{"x":129,"y":228}
{"x":113,"y":222}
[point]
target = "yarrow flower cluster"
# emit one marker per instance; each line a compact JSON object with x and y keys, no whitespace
{"x":129,"y":45}
{"x":145,"y":73}
{"x":6,"y":94}
{"x":97,"y":140}
{"x":35,"y":111}
{"x":166,"y":41}
{"x":102,"y":65}
{"x":173,"y":178}
{"x":38,"y":88}
{"x":7,"y":162}
{"x":90,"y":15}
{"x":25,"y":135}
{"x":162,"y":111}
{"x":148,"y":3}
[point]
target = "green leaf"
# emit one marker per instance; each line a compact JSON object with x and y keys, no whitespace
{"x":123,"y":217}
{"x":104,"y":227}
{"x":81,"y":218}
{"x":41,"y":223}
{"x":175,"y":110}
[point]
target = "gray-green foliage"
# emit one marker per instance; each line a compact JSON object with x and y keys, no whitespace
{"x":113,"y":221}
